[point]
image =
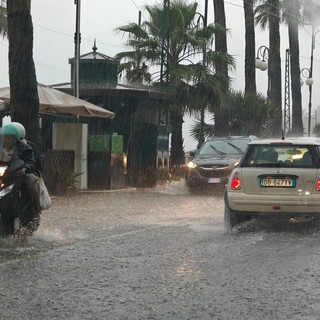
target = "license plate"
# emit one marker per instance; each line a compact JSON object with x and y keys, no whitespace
{"x":278,"y":182}
{"x":214,"y":180}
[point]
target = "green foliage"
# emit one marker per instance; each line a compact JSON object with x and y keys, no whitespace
{"x":249,"y":115}
{"x":208,"y":130}
{"x":67,"y":178}
{"x":175,"y":40}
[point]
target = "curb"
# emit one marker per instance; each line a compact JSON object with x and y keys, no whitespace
{"x":108,"y":191}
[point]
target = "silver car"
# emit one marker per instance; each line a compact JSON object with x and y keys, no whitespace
{"x":275,"y":179}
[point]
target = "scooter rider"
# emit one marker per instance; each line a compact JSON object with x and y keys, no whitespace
{"x":22,"y":137}
{"x":14,"y":148}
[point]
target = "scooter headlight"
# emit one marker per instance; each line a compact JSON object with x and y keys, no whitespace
{"x":3,"y":170}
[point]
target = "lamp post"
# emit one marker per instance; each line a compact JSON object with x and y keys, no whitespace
{"x":310,"y":76}
{"x":262,"y":62}
{"x":77,"y":40}
{"x":307,"y":73}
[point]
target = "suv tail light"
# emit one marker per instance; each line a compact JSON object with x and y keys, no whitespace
{"x":236,"y":182}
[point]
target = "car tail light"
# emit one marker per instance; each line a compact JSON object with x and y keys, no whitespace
{"x":235,"y":182}
{"x":318,"y":184}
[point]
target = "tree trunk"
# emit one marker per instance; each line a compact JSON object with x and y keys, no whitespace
{"x":221,"y":112}
{"x":176,"y":121}
{"x":249,"y":70}
{"x":275,"y":65}
{"x":22,"y":75}
{"x":220,"y":37}
{"x":297,"y":125}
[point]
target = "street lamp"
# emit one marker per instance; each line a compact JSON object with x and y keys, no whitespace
{"x":307,"y":73}
{"x":262,"y":52}
{"x":310,"y":78}
{"x":262,"y":64}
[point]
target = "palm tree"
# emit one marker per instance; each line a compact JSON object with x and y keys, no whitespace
{"x":221,"y":112}
{"x":275,"y":65}
{"x":172,"y":40}
{"x":134,"y":71}
{"x":250,"y":71}
{"x":22,"y":75}
{"x":208,"y":130}
{"x":133,"y":67}
{"x":311,"y":11}
{"x":269,"y":13}
{"x":249,"y":114}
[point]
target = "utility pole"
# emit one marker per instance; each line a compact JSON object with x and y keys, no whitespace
{"x":202,"y":108}
{"x":310,"y":86}
{"x":77,"y":40}
{"x":165,"y":42}
{"x":287,"y":105}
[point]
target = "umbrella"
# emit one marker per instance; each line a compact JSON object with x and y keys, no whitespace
{"x":55,"y":101}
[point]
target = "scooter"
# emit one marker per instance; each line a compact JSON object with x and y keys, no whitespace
{"x":15,"y":208}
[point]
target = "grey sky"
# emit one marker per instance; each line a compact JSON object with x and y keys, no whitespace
{"x":54,"y":27}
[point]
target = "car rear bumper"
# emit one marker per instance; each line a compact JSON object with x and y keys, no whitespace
{"x":276,"y":204}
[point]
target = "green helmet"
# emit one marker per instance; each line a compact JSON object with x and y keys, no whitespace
{"x":21,"y":129}
{"x":9,"y":130}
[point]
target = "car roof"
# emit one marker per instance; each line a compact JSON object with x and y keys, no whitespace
{"x":249,"y":138}
{"x":291,"y":140}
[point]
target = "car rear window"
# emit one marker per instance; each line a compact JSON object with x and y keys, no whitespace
{"x":294,"y":156}
{"x":224,"y":147}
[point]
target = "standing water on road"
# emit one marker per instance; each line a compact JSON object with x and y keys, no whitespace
{"x":157,"y":254}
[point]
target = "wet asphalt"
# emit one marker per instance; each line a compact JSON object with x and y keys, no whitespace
{"x":158,"y":254}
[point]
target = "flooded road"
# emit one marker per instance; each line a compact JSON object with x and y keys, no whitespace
{"x":158,"y":254}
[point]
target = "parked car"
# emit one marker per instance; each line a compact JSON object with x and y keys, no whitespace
{"x":213,"y":162}
{"x":275,"y":179}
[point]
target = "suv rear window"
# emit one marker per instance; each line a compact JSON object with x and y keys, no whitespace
{"x":293,"y":156}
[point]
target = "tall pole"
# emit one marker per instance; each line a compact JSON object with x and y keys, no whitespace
{"x":166,"y":5}
{"x":201,"y":135}
{"x":77,"y":41}
{"x":168,"y":39}
{"x":310,"y":87}
{"x":287,"y":104}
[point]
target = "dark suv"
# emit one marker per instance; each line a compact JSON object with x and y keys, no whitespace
{"x":214,"y":161}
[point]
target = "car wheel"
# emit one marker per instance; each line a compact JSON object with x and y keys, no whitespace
{"x":230,"y":217}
